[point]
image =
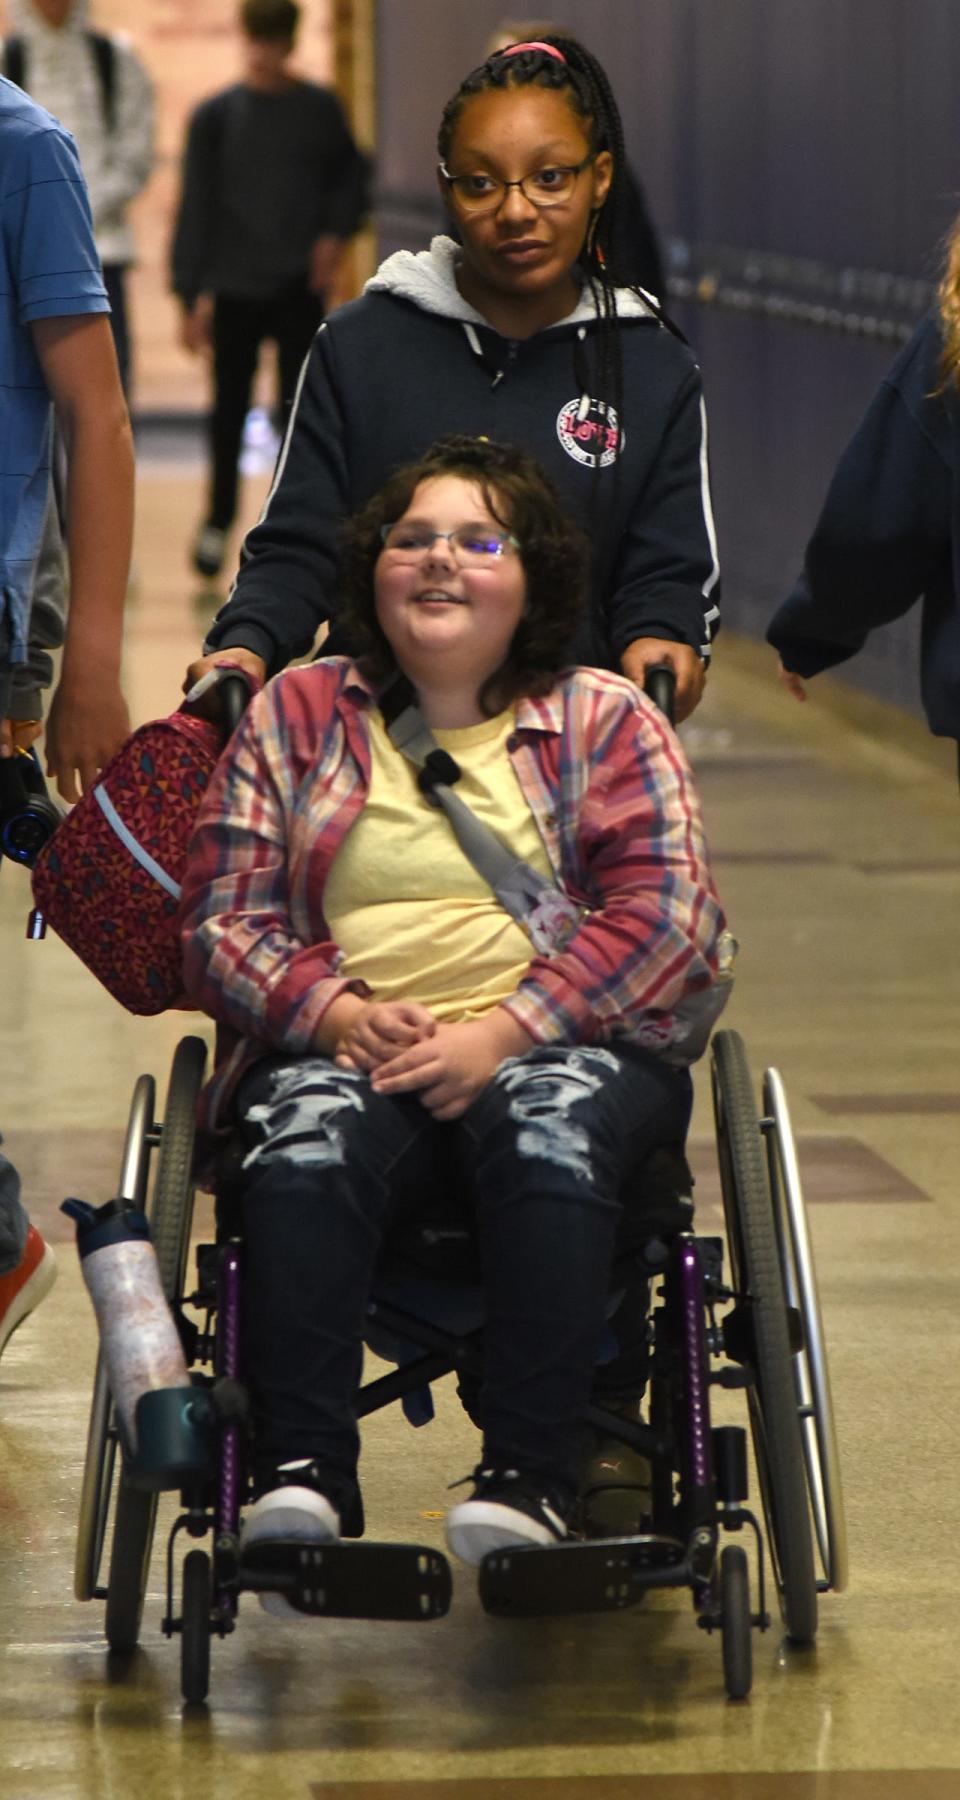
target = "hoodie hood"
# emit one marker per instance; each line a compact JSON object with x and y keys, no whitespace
{"x":26,"y":22}
{"x":427,"y":278}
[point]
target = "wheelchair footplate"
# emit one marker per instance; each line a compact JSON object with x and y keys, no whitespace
{"x":351,"y":1581}
{"x":604,"y":1575}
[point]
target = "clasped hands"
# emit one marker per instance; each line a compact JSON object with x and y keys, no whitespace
{"x":405,"y":1050}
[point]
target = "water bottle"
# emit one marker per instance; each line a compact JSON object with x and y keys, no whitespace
{"x":140,"y":1342}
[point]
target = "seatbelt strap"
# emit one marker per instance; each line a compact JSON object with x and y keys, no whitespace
{"x":547,"y":914}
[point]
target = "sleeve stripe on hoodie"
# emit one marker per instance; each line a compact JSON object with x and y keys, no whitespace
{"x":277,"y":478}
{"x":712,"y":612}
{"x":288,"y":434}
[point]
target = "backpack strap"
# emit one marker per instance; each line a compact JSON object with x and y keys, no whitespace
{"x":14,"y":61}
{"x":547,"y":914}
{"x":104,"y":54}
{"x":105,"y":59}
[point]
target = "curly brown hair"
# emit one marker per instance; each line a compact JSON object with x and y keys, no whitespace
{"x":553,"y":551}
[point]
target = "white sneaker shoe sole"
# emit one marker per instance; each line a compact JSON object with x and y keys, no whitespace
{"x":289,"y":1512}
{"x":476,"y":1527}
{"x":30,"y":1296}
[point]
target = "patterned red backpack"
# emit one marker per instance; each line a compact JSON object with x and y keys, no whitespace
{"x":108,"y":880}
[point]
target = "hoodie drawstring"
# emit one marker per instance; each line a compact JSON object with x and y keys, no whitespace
{"x":488,"y":360}
{"x":582,"y":371}
{"x":581,"y":364}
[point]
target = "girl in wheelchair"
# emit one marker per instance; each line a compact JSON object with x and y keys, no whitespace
{"x":388,"y":1005}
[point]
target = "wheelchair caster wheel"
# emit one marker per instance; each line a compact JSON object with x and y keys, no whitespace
{"x":195,"y":1628}
{"x":735,"y":1622}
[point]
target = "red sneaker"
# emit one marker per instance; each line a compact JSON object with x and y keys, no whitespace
{"x":26,"y":1285}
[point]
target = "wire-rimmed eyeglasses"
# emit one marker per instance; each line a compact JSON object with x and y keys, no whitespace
{"x":550,"y":186}
{"x":469,"y":544}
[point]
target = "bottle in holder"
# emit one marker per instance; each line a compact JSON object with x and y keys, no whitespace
{"x":140,"y":1342}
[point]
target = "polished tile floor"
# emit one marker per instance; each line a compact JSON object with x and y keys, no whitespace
{"x":835,"y":830}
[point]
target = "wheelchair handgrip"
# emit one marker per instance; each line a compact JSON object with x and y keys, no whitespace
{"x":661,"y":686}
{"x":234,"y":693}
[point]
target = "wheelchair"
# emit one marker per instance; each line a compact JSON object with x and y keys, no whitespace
{"x":756,"y":1327}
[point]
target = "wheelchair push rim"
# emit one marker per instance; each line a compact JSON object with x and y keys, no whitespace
{"x":102,"y":1439}
{"x":810,"y":1363}
{"x":755,"y":1262}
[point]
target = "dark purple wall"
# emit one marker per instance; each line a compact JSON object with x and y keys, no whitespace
{"x":802,"y":161}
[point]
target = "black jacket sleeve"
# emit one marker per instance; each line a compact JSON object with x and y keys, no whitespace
{"x":667,"y":581}
{"x":883,"y":537}
{"x":193,"y":232}
{"x":347,"y":172}
{"x":287,"y":579}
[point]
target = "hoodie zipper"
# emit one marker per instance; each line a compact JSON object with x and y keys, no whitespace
{"x":490,"y":361}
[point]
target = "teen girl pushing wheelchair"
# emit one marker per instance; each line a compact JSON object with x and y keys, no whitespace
{"x":525,"y":324}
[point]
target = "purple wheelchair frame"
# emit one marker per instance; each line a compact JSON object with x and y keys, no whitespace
{"x":699,"y":1471}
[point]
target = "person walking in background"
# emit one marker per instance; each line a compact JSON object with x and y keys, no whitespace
{"x":100,"y":91}
{"x":273,"y":186}
{"x":55,"y":345}
{"x":634,"y":225}
{"x":889,"y":531}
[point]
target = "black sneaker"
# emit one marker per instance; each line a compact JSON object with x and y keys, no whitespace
{"x":507,"y":1509}
{"x":208,"y":550}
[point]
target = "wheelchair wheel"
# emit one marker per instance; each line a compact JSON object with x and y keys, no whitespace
{"x":171,"y":1215}
{"x":195,"y":1628}
{"x":755,"y":1261}
{"x":810,"y":1369}
{"x":134,"y":1519}
{"x":735,"y":1622}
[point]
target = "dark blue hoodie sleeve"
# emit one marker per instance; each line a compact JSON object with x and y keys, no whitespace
{"x":667,"y":580}
{"x":287,"y":579}
{"x":883,"y":537}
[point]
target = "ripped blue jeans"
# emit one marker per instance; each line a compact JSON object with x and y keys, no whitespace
{"x":547,"y":1148}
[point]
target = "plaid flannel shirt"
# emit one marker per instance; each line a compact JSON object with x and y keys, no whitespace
{"x":611,"y":793}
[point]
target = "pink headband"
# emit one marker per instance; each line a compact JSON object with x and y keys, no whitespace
{"x":548,"y":50}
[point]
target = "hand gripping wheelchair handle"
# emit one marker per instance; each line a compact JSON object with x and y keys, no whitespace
{"x":233,"y":693}
{"x":660,"y":685}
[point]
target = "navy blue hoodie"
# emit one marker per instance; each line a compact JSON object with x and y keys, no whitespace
{"x":888,"y":534}
{"x":410,"y":362}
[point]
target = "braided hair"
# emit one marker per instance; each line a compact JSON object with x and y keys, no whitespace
{"x":948,"y":306}
{"x":605,"y":258}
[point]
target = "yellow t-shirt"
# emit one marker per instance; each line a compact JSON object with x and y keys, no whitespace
{"x":408,"y":909}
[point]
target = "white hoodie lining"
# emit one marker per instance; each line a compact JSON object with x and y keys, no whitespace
{"x":428,"y":279}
